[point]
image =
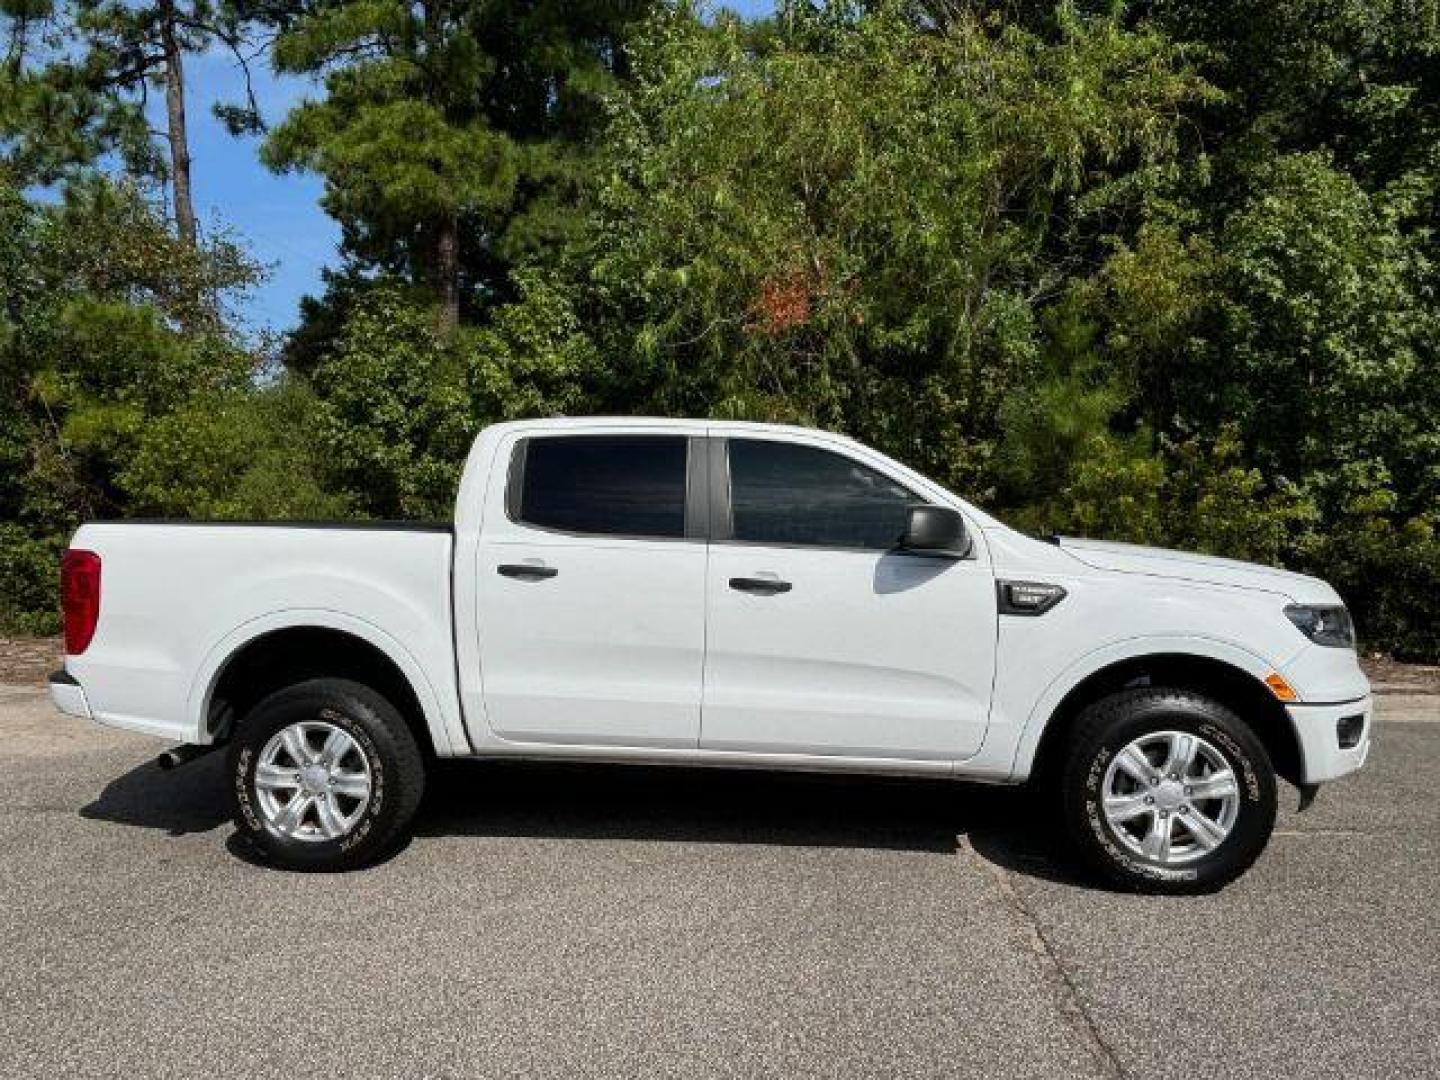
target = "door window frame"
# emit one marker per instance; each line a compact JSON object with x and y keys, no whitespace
{"x":698,"y":508}
{"x":708,"y":511}
{"x":722,"y":520}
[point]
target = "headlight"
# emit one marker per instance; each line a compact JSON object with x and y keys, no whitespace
{"x":1324,"y":624}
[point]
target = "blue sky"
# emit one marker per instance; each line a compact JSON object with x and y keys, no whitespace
{"x":277,"y":217}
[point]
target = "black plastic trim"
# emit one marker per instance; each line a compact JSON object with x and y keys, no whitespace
{"x":63,"y":678}
{"x":1349,"y":730}
{"x":526,"y":571}
{"x":1007,"y":606}
{"x":722,"y":522}
{"x":697,"y":488}
{"x":359,"y":526}
{"x":760,"y":586}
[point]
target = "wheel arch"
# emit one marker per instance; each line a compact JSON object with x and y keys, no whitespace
{"x":270,"y":653}
{"x":1233,"y":681}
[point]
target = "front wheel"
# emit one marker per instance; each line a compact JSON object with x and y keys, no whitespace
{"x":1167,"y":791}
{"x":324,"y":775}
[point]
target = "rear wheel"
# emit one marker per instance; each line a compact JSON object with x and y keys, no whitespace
{"x":1167,"y":791}
{"x":324,"y":775}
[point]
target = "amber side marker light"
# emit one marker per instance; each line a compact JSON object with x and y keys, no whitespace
{"x":1280,"y":688}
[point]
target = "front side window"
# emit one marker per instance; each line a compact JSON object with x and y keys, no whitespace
{"x":606,"y":485}
{"x":784,"y":493}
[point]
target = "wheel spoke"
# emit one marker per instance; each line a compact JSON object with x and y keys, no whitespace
{"x":354,"y":784}
{"x":1136,"y":765}
{"x":293,"y":813}
{"x":1182,"y":755}
{"x":1156,"y":844}
{"x":276,"y":777}
{"x":1218,"y":785}
{"x":1208,"y":834}
{"x":293,"y":739}
{"x":1121,"y":808}
{"x":336,"y":747}
{"x":332,"y":822}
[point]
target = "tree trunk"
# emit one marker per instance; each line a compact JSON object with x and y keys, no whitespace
{"x":446,"y":268}
{"x":447,"y":272}
{"x":179,"y":141}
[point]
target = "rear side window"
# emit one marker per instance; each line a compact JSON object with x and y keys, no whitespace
{"x":782,"y":493}
{"x":605,"y":485}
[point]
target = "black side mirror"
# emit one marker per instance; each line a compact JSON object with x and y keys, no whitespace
{"x":936,"y":530}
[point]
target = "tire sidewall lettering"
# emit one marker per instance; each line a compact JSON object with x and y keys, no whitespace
{"x":243,"y":781}
{"x":1250,"y":786}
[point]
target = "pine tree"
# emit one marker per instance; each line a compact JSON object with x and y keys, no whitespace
{"x":54,"y":122}
{"x":450,"y":130}
{"x":130,"y":49}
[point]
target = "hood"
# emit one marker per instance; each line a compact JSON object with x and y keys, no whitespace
{"x":1203,"y":569}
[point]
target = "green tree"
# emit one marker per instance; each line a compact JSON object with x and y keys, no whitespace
{"x":114,"y":397}
{"x":449,"y":130}
{"x":855,"y":224}
{"x":400,"y":402}
{"x":104,"y":58}
{"x":246,"y":452}
{"x":54,"y":124}
{"x":1280,"y":302}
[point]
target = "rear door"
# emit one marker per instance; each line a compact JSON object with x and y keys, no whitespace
{"x":591,"y":590}
{"x":822,"y":637}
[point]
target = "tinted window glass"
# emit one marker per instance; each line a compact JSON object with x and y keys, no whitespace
{"x":781,"y":493}
{"x":615,"y":485}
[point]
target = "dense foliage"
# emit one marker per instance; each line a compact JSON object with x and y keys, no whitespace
{"x":1163,"y":273}
{"x":109,"y":406}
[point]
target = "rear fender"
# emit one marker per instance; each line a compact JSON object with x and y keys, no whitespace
{"x":442,"y":719}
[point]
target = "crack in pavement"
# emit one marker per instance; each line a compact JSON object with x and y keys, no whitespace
{"x":1062,"y":985}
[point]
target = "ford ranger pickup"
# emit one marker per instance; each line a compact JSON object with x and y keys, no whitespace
{"x":712,"y":593}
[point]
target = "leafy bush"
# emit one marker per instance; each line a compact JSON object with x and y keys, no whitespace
{"x":29,"y":578}
{"x":124,"y":391}
{"x":395,"y":413}
{"x":247,"y":454}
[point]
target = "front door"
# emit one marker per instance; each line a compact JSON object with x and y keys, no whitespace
{"x":592,"y":593}
{"x":822,"y":638}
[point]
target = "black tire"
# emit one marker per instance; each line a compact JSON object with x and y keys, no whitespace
{"x":397,"y":774}
{"x":1104,"y":729}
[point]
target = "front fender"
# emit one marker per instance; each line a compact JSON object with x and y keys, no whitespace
{"x":1030,"y":725}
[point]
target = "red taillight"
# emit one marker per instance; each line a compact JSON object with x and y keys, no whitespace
{"x":80,"y":598}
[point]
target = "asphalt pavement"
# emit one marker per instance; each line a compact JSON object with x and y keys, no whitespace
{"x":607,"y":921}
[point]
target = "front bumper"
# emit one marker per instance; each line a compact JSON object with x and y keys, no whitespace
{"x":1319,"y":730}
{"x":68,"y":696}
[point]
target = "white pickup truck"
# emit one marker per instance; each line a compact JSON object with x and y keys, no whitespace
{"x":711,"y":593}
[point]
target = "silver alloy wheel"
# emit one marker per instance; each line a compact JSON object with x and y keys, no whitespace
{"x":312,"y":781}
{"x":1171,"y":797}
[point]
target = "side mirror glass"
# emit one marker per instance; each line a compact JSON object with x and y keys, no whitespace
{"x":936,"y":530}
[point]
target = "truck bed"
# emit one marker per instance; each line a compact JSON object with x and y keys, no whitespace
{"x":178,"y":597}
